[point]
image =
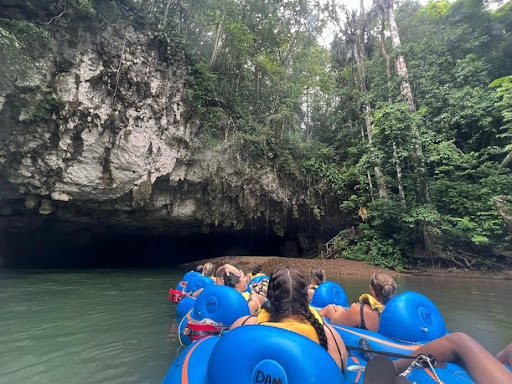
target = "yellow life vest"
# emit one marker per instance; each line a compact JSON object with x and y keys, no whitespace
{"x":317,"y":315}
{"x":246,"y":295}
{"x":372,"y":302}
{"x":303,"y":328}
{"x":263,"y":315}
{"x":256,"y":275}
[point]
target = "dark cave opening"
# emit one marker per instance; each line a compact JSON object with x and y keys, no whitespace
{"x":114,"y":248}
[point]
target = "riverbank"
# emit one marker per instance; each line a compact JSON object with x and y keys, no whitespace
{"x":332,"y":267}
{"x":344,"y":267}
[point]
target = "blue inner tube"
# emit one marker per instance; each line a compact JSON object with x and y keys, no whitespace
{"x":327,"y":293}
{"x":185,"y":305}
{"x":412,"y":317}
{"x":271,"y":355}
{"x":257,"y":279}
{"x":198,"y":282}
{"x":186,"y":278}
{"x":191,"y":363}
{"x":221,"y":304}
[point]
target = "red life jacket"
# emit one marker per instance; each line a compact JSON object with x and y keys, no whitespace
{"x":175,"y":295}
{"x":197,"y":329}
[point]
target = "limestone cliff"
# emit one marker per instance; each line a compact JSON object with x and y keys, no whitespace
{"x":95,"y":127}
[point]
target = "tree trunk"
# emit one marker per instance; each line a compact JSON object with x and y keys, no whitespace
{"x":396,"y":160}
{"x":401,"y":66}
{"x":360,"y":58}
{"x":216,"y":44}
{"x":405,"y":88}
{"x":383,"y":192}
{"x":401,"y":192}
{"x":166,"y":11}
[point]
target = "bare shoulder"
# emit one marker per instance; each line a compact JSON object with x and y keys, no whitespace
{"x":353,"y":309}
{"x":336,"y":345}
{"x":245,"y":320}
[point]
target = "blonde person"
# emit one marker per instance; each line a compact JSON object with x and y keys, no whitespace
{"x":208,"y":270}
{"x":219,"y":275}
{"x":365,"y":314}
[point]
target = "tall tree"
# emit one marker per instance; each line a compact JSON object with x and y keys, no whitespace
{"x":352,"y":31}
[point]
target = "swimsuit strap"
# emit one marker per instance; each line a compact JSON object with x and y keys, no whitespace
{"x":247,"y":318}
{"x":338,"y":348}
{"x":361,"y":312}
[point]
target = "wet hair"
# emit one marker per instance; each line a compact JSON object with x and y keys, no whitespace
{"x":256,"y":269}
{"x":219,"y":273}
{"x":199,"y":268}
{"x":230,"y":279}
{"x":288,"y":295}
{"x":208,"y":269}
{"x":384,"y":286}
{"x":317,"y":275}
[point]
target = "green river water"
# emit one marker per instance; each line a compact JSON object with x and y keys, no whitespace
{"x":117,"y":326}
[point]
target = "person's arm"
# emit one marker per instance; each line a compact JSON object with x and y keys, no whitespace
{"x":336,"y":346}
{"x":197,"y":293}
{"x":311,"y":292}
{"x":256,"y":301}
{"x":459,"y":348}
{"x":340,"y":315}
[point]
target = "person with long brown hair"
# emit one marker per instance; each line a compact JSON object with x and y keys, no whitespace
{"x":236,"y":278}
{"x":317,"y":277}
{"x":364,"y":314}
{"x":288,"y":308}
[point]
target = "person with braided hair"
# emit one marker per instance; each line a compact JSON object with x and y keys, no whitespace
{"x":288,"y":307}
{"x":366,"y":313}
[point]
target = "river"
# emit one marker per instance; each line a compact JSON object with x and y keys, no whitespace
{"x":117,"y":326}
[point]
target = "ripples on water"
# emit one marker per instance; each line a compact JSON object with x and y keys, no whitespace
{"x":95,"y":327}
{"x":118,"y":326}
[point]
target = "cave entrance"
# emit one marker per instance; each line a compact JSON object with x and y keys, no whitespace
{"x":115,"y":248}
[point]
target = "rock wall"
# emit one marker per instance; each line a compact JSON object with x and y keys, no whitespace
{"x":95,"y":128}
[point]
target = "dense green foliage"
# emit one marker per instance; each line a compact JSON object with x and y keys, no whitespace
{"x":420,"y":178}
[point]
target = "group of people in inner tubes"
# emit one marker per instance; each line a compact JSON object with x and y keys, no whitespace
{"x":284,"y":302}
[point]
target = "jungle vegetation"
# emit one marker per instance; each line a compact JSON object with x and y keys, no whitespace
{"x":402,"y":110}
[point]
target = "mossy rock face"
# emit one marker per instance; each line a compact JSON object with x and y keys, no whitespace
{"x":68,"y":147}
{"x":142,"y":193}
{"x":22,"y":46}
{"x":84,"y":6}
